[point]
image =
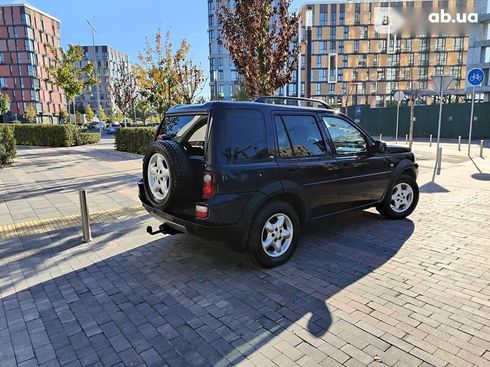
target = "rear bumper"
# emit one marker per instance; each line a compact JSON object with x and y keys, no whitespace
{"x":201,"y":228}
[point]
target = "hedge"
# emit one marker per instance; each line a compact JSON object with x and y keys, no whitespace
{"x":46,"y":135}
{"x":88,"y":138}
{"x":7,"y":144}
{"x":134,"y":139}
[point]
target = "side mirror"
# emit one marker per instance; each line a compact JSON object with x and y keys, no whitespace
{"x":379,"y":147}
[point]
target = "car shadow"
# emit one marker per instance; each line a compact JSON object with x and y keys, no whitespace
{"x":196,"y":302}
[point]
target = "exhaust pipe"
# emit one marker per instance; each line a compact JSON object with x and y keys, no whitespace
{"x":163,"y":229}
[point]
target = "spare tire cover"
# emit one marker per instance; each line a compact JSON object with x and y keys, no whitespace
{"x":167,"y":175}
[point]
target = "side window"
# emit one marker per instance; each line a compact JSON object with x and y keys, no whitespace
{"x":299,"y":136}
{"x":346,"y":138}
{"x":244,"y":136}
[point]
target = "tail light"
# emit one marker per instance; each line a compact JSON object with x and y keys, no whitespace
{"x":208,"y":185}
{"x":202,"y":211}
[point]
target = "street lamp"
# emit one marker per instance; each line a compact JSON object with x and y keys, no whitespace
{"x":96,"y":74}
{"x":309,"y":25}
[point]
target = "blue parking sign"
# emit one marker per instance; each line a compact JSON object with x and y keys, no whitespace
{"x":476,"y":76}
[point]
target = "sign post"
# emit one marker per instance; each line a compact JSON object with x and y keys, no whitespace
{"x":399,"y":96}
{"x":475,"y":78}
{"x":441,"y":82}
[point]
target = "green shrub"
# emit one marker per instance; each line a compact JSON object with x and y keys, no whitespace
{"x":134,"y":139}
{"x":46,"y":135}
{"x":7,"y":144}
{"x":88,"y":138}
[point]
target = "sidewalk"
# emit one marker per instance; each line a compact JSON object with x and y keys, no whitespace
{"x":359,"y":291}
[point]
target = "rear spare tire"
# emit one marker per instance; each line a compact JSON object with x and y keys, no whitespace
{"x":167,"y":174}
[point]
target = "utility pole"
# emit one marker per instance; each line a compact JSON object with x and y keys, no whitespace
{"x":96,"y":75}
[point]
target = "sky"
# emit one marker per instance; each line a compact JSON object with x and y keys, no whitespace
{"x":124,"y":24}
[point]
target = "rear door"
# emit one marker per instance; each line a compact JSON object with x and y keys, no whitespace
{"x":363,"y":176}
{"x":246,"y":163}
{"x":305,"y":161}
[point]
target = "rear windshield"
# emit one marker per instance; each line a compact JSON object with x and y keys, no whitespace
{"x":189,"y":130}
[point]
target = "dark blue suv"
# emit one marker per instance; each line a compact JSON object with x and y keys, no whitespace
{"x":253,"y":173}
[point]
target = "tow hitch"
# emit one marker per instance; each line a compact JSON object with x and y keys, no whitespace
{"x":163,"y":229}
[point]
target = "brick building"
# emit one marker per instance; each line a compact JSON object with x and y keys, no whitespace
{"x":24,"y":33}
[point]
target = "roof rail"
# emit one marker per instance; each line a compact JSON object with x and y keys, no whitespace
{"x":310,"y":101}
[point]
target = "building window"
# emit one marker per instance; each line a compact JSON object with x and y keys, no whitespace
{"x":322,"y":75}
{"x":319,"y":61}
{"x":440,"y":44}
{"x":318,"y":89}
{"x":346,"y":31}
{"x":442,"y":58}
{"x":459,"y":44}
{"x":364,"y":32}
{"x":410,"y":60}
{"x":423,"y":74}
{"x":345,"y":61}
{"x":362,"y":60}
{"x":323,"y":47}
{"x":3,"y":83}
{"x":323,"y":19}
{"x":381,"y":74}
{"x":234,"y":75}
{"x":375,"y":60}
{"x":333,"y":32}
{"x":1,"y":58}
{"x":423,"y":44}
{"x":332,"y":68}
{"x":407,"y":45}
{"x":331,"y":89}
{"x":356,"y":46}
{"x":439,"y":70}
{"x":456,"y":71}
{"x":319,"y":35}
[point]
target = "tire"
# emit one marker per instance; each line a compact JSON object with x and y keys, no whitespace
{"x":176,"y":175}
{"x":272,"y":212}
{"x":393,"y":210}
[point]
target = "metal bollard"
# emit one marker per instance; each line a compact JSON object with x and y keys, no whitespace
{"x":406,"y":138}
{"x":439,"y":161}
{"x":459,"y":143}
{"x":481,"y":148}
{"x":380,"y":137}
{"x":430,"y":140}
{"x":87,"y":235}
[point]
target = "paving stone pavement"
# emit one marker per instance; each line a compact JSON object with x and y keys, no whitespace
{"x":360,"y":291}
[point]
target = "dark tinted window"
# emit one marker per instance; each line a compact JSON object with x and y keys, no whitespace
{"x":346,"y":138}
{"x":186,"y":128}
{"x":299,"y":136}
{"x":244,"y":136}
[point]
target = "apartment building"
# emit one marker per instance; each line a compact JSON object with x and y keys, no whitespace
{"x":353,"y":64}
{"x":24,"y":57}
{"x":108,"y":66}
{"x":223,"y":75}
{"x":479,"y":47}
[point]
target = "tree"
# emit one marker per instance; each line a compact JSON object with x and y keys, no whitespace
{"x":89,"y":113}
{"x":30,"y":113}
{"x":4,"y":103}
{"x":102,"y":115}
{"x":189,"y":76}
{"x":143,"y":110}
{"x":63,"y":115}
{"x":120,"y":116}
{"x":241,"y":93}
{"x":65,"y":73}
{"x":260,"y":34}
{"x":123,"y":88}
{"x":166,"y":78}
